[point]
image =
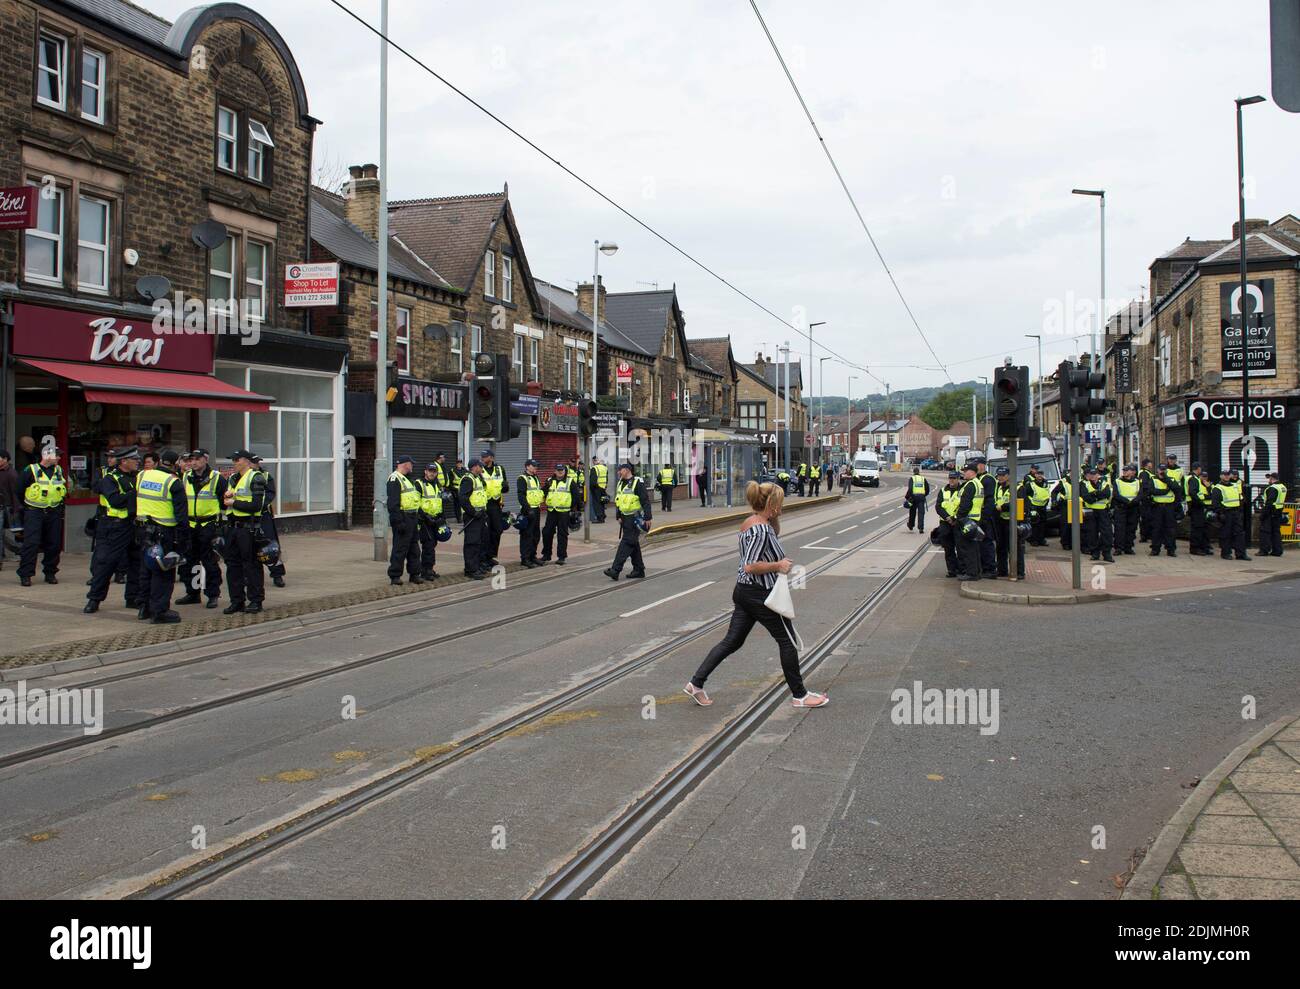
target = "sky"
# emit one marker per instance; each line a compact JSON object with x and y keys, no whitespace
{"x":960,"y":128}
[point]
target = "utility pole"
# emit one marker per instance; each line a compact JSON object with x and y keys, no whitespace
{"x":381,"y":358}
{"x":1247,"y":449}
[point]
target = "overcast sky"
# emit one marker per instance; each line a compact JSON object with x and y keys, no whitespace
{"x":961,"y":128}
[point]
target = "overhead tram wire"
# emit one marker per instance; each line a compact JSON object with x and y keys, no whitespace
{"x":591,"y":188}
{"x":844,"y":185}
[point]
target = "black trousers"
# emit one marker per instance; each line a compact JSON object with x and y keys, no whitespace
{"x":42,"y":533}
{"x":750,"y":610}
{"x":475,"y":541}
{"x":1126,"y":525}
{"x":968,"y":554}
{"x":452,"y":496}
{"x":1163,"y":527}
{"x":1146,"y":516}
{"x":799,"y":489}
{"x":629,"y":547}
{"x":916,"y":514}
{"x":666,"y":498}
{"x":532,"y":535}
{"x":1098,"y":534}
{"x":156,"y":588}
{"x":245,"y":579}
{"x":1199,"y":541}
{"x":1037,"y":518}
{"x":115,"y":552}
{"x":597,"y":505}
{"x":492,"y":536}
{"x":1270,"y":532}
{"x":202,"y":559}
{"x":948,"y":540}
{"x":428,"y":544}
{"x":1232,"y":534}
{"x":406,"y":546}
{"x":1004,"y":550}
{"x":988,"y":548}
{"x":702,"y":485}
{"x":816,"y":486}
{"x":557,"y":531}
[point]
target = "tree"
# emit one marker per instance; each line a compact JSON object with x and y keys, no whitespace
{"x":948,"y":407}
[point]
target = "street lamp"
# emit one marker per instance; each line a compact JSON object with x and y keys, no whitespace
{"x":820,"y":405}
{"x":1246,"y":449}
{"x":1039,"y":386}
{"x":609,"y":250}
{"x":1095,"y":362}
{"x":821,"y":398}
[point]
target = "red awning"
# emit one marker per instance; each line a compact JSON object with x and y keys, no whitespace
{"x":114,"y":385}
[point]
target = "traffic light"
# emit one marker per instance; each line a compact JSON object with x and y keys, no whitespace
{"x":586,"y":418}
{"x":486,"y":388}
{"x":508,"y":425}
{"x":1011,"y":403}
{"x":1077,"y":384}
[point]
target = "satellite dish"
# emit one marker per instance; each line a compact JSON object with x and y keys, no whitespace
{"x":456,"y":329}
{"x":153,"y":287}
{"x":210,"y":234}
{"x":435,"y":331}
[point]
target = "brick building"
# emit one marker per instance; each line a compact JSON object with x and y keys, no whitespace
{"x":761,"y":401}
{"x":918,"y":440}
{"x":172,"y":163}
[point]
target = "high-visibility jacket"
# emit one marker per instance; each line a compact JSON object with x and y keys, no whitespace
{"x":918,"y":485}
{"x":201,"y":501}
{"x":803,"y":470}
{"x":153,"y":497}
{"x":1128,"y":490}
{"x":442,"y":475}
{"x":244,"y":495}
{"x":533,"y":495}
{"x":949,"y":499}
{"x":1164,"y":493}
{"x":46,"y":490}
{"x":494,"y":480}
{"x":783,"y":477}
{"x":1096,"y":497}
{"x":478,"y":497}
{"x":816,"y":473}
{"x":977,"y":499}
{"x":601,"y":474}
{"x":1002,"y":500}
{"x":559,"y":494}
{"x":1241,"y":493}
{"x":626,"y":500}
{"x":456,"y":477}
{"x":1230,"y":495}
{"x":104,"y":506}
{"x":1039,"y":494}
{"x":1175,"y":474}
{"x":1196,"y":494}
{"x":430,"y":498}
{"x":410,"y":494}
{"x":1280,"y":489}
{"x":668,"y":477}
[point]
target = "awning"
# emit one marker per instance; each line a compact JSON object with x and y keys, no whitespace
{"x":113,"y":385}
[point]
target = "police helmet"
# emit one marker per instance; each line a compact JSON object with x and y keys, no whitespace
{"x":1003,"y":472}
{"x":519,"y":521}
{"x":1024,"y":529}
{"x":934,"y":537}
{"x":970,"y":528}
{"x":270,"y":553}
{"x":954,"y":475}
{"x":160,"y":561}
{"x":575,"y":522}
{"x":640,"y":522}
{"x":444,"y":533}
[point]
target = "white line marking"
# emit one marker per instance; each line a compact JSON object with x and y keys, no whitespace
{"x":830,"y":549}
{"x":814,"y":545}
{"x":629,"y":614}
{"x":872,"y":519}
{"x":849,"y":529}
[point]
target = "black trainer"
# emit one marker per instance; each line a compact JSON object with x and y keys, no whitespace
{"x":166,"y":618}
{"x":611,"y":573}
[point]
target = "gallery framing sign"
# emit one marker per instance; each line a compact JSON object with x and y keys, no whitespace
{"x":1258,"y":349}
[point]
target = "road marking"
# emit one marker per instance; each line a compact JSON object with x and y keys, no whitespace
{"x":872,"y":519}
{"x":629,"y":614}
{"x":849,"y":529}
{"x":814,"y":545}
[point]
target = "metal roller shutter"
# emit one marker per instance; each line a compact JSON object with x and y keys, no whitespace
{"x":511,"y":457}
{"x":422,"y":445}
{"x":1265,"y":460}
{"x":550,"y":449}
{"x":1178,"y":441}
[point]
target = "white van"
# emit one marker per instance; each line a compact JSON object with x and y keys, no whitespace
{"x":866,"y":469}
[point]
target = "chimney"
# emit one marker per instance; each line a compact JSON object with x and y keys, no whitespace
{"x":585,"y":300}
{"x":362,"y":204}
{"x":1251,"y":227}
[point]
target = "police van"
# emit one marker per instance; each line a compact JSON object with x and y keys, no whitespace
{"x":866,"y":469}
{"x":1043,"y":457}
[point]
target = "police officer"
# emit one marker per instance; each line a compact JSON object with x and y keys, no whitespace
{"x":667,"y":481}
{"x":600,"y":489}
{"x":630,"y":498}
{"x":1037,"y":493}
{"x":1172,"y":470}
{"x":560,"y":491}
{"x":801,"y":475}
{"x":431,"y":509}
{"x":245,"y":500}
{"x":494,"y":478}
{"x":1271,"y":515}
{"x":1005,"y":501}
{"x":1062,"y":495}
{"x":458,"y":474}
{"x":1196,"y":494}
{"x":1145,"y":509}
{"x":205,"y":495}
{"x":44,"y":491}
{"x":1097,"y":532}
{"x":1162,"y":495}
{"x":988,"y":547}
{"x":970,"y":510}
{"x":403,"y":499}
{"x":815,"y":480}
{"x":110,"y":462}
{"x":783,"y":479}
{"x":115,"y":545}
{"x":1225,"y":502}
{"x":162,"y":519}
{"x":531,"y":496}
{"x":1128,"y":496}
{"x":474,"y":503}
{"x":946,"y":507}
{"x":578,"y":475}
{"x":918,"y":490}
{"x":269,"y":530}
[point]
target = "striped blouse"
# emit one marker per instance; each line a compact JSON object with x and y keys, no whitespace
{"x":758,"y":544}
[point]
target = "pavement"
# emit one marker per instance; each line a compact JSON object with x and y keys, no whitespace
{"x":326,"y":570}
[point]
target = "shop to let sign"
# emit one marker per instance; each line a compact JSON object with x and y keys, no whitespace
{"x":311,"y":285}
{"x":18,"y":207}
{"x":624,"y":373}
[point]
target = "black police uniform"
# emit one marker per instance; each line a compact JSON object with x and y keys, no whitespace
{"x":1198,"y":499}
{"x":531,"y":535}
{"x":475,"y":530}
{"x":557,"y":521}
{"x":1126,"y":512}
{"x":406,"y":532}
{"x":115,"y":550}
{"x":1097,"y":532}
{"x":968,"y":551}
{"x":157,"y":586}
{"x":429,"y":525}
{"x":42,"y":527}
{"x":988,"y":522}
{"x":495,"y":516}
{"x":1232,"y":530}
{"x":599,"y":492}
{"x":457,"y":474}
{"x":203,"y":530}
{"x":1272,"y":514}
{"x":947,"y":532}
{"x":629,"y":546}
{"x":916,"y":503}
{"x":1162,"y":513}
{"x":1144,"y":505}
{"x":1005,"y":525}
{"x":245,"y":579}
{"x":666,"y":485}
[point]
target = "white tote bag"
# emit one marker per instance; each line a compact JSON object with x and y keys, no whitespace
{"x":780,"y":601}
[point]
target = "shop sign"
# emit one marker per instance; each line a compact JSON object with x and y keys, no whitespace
{"x":430,"y":400}
{"x":526,"y":405}
{"x":1259,"y":351}
{"x":558,"y":417}
{"x":1229,"y":410}
{"x":1123,"y":368}
{"x":18,"y":207}
{"x":69,"y":335}
{"x":311,"y":285}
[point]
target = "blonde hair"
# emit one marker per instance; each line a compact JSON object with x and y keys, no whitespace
{"x":765,"y":498}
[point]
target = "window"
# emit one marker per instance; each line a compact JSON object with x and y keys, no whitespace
{"x":227,"y":139}
{"x":534,"y":359}
{"x":401,"y":352}
{"x":93,"y":74}
{"x":568,"y":366}
{"x":221,"y":278}
{"x":259,"y":140}
{"x":475,"y":341}
{"x":255,"y":279}
{"x":92,"y":244}
{"x":582,"y":371}
{"x":1164,"y":360}
{"x":44,"y":242}
{"x":507,"y":279}
{"x":490,"y":274}
{"x":52,"y":71}
{"x":517,"y":357}
{"x":753,"y":415}
{"x":458,"y":353}
{"x":672,"y":344}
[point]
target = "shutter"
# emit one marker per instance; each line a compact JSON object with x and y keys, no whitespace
{"x":511,"y":456}
{"x":1178,"y":441}
{"x":550,"y":449}
{"x":1265,"y":450}
{"x":422,"y":445}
